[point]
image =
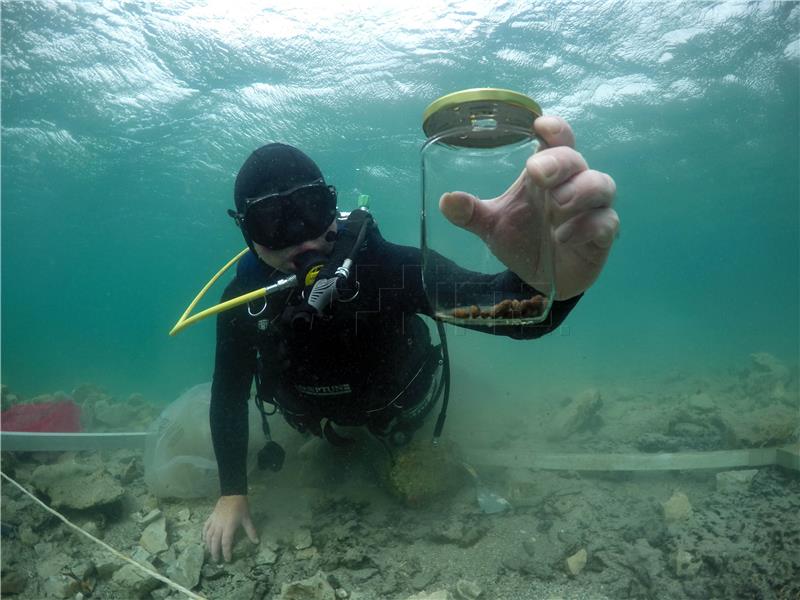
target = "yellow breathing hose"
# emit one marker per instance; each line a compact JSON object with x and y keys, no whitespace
{"x":185,"y":320}
{"x":281,"y":284}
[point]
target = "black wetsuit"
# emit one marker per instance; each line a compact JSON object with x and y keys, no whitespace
{"x":346,"y":369}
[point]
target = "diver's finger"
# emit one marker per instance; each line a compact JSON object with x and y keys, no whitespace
{"x":554,"y":131}
{"x":227,"y":543}
{"x":553,"y":166}
{"x":250,"y":530}
{"x":588,"y":190}
{"x":597,"y":226}
{"x":212,"y":543}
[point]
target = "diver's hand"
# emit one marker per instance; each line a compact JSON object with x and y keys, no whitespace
{"x":584,"y":224}
{"x":221,"y":526}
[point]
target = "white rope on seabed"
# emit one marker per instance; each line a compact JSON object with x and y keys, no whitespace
{"x":169,"y":582}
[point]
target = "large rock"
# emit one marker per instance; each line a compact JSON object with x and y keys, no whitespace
{"x":421,"y":472}
{"x":770,"y":426}
{"x":764,"y":362}
{"x":767,"y":378}
{"x":468,"y":590}
{"x":59,"y":586}
{"x":440,"y":595}
{"x":267,"y":552}
{"x":685,"y":564}
{"x":73,"y":485}
{"x":134,"y":582}
{"x":302,"y":539}
{"x":735,"y":481}
{"x":581,"y":413}
{"x":115,"y":415}
{"x":458,"y":531}
{"x":13,"y":582}
{"x":154,"y":536}
{"x":702,"y":403}
{"x":8,"y":399}
{"x":696,"y":425}
{"x":89,"y":393}
{"x":188,"y":566}
{"x":313,"y":588}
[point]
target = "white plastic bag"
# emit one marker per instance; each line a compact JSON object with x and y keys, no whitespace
{"x":179,"y":459}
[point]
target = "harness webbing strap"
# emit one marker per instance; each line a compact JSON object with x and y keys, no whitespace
{"x":437,"y":432}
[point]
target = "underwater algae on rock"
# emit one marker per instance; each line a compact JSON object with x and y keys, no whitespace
{"x":422,"y":472}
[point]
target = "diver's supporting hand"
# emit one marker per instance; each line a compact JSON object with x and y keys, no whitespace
{"x":221,"y":526}
{"x":580,"y":200}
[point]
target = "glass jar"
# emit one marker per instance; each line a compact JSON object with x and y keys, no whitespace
{"x":478,"y":142}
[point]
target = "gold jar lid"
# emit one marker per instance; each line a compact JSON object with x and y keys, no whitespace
{"x":480,"y":117}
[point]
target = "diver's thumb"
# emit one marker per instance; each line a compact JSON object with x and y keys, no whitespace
{"x":464,"y":210}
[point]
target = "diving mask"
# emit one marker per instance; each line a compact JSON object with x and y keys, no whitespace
{"x":283,"y":219}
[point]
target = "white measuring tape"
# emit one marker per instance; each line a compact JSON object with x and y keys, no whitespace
{"x":150,"y":572}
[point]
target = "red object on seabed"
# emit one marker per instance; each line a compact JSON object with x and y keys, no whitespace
{"x":63,"y":416}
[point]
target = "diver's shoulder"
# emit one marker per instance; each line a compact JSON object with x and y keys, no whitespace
{"x":249,"y":267}
{"x":250,"y":274}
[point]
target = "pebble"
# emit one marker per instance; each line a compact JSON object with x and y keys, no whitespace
{"x":438,"y":595}
{"x":685,"y":564}
{"x":458,"y":532}
{"x":735,"y":481}
{"x":266,"y":556}
{"x":149,"y":503}
{"x":13,"y":582}
{"x":134,"y":581}
{"x":576,"y":416}
{"x":154,"y":537}
{"x":577,"y":562}
{"x":105,"y":570}
{"x":212,"y":571}
{"x":422,"y":579}
{"x":129,"y":473}
{"x":361,"y":575}
{"x":141,"y":555}
{"x":306,"y":553}
{"x":245,"y":590}
{"x":302,"y":539}
{"x":313,"y":588}
{"x":92,"y":528}
{"x":468,"y":590}
{"x":702,"y":403}
{"x":677,"y":508}
{"x":59,"y":586}
{"x":43,"y":549}
{"x":27,"y":536}
{"x":529,"y":545}
{"x":85,"y":569}
{"x":153,"y":515}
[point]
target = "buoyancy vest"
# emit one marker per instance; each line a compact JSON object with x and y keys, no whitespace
{"x":357,"y":368}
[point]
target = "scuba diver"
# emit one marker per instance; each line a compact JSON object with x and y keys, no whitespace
{"x":349,"y":347}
